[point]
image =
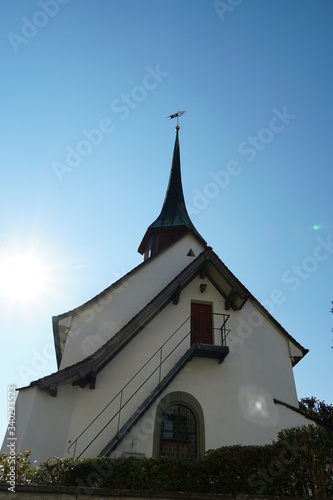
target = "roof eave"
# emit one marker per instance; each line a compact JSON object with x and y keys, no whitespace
{"x":183,"y":230}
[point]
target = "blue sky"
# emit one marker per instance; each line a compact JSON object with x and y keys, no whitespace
{"x":86,"y":152}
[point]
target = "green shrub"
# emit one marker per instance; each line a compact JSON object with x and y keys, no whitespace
{"x":21,"y":463}
{"x":300,"y":464}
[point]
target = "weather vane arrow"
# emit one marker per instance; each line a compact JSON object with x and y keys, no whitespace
{"x":176,"y":115}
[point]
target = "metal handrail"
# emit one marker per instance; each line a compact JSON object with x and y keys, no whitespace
{"x":224,"y":334}
{"x":74,"y":443}
{"x":132,"y":396}
{"x":224,"y":331}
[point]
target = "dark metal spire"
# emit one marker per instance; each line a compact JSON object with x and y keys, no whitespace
{"x":173,"y":218}
{"x":174,"y":212}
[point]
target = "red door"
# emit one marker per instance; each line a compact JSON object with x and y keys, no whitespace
{"x":201,"y":324}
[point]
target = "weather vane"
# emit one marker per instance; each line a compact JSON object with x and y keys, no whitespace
{"x":176,"y":115}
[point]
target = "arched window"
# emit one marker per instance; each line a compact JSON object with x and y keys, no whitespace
{"x":178,"y":432}
{"x":179,"y":427}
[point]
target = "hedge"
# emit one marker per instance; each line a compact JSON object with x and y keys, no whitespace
{"x":300,"y":463}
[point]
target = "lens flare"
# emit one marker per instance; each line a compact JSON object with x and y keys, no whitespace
{"x":22,"y":277}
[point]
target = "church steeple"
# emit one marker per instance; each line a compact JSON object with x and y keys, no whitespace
{"x":173,"y":220}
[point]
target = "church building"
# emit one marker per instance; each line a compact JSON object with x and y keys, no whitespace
{"x":186,"y":359}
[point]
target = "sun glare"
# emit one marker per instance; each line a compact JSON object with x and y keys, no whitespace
{"x":22,"y":277}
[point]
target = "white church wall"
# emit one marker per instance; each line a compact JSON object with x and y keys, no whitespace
{"x":98,"y":322}
{"x":231,"y":415}
{"x":24,"y":414}
{"x":42,"y":422}
{"x":289,"y":418}
{"x":257,"y":370}
{"x":245,"y":415}
{"x":261,"y":353}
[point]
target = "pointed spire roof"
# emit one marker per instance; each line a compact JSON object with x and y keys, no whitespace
{"x":173,"y":217}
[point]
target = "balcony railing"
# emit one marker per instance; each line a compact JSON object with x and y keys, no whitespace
{"x":213,"y":328}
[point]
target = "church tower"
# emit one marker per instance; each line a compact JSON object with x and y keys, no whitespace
{"x":173,"y":220}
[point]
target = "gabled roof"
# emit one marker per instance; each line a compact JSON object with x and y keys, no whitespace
{"x":173,"y":214}
{"x":207,"y":264}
